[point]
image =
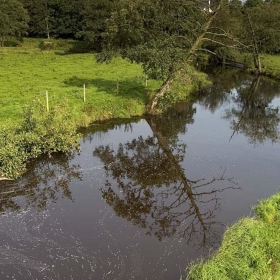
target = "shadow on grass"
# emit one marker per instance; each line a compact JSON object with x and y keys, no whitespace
{"x":77,"y":47}
{"x":129,"y":88}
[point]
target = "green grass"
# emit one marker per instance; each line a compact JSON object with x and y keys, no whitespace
{"x":26,"y":73}
{"x":271,"y":65}
{"x":250,"y":248}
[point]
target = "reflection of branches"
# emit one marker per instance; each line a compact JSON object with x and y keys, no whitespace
{"x":152,"y":190}
{"x":252,"y":90}
{"x":43,"y":181}
{"x":254,"y":116}
{"x":223,"y":83}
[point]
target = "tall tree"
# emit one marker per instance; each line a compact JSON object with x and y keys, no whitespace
{"x":161,"y":35}
{"x":94,"y":16}
{"x":54,"y":18}
{"x":13,"y":20}
{"x":261,"y":30}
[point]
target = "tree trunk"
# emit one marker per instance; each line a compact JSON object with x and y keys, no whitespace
{"x":163,"y":89}
{"x":47,"y":27}
{"x":256,"y":55}
{"x":166,"y":85}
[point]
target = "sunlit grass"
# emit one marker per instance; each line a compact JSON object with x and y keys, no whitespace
{"x":271,"y":64}
{"x":116,"y":89}
{"x":250,"y":248}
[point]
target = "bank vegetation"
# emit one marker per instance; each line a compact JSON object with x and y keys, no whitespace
{"x":250,"y":248}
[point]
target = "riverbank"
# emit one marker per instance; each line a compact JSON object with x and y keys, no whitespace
{"x":250,"y":248}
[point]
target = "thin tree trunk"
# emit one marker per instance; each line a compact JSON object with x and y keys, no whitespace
{"x":47,"y":27}
{"x":166,"y":85}
{"x":256,"y":55}
{"x":163,"y":89}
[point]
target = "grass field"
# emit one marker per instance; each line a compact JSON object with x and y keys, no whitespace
{"x":116,"y":90}
{"x":250,"y":248}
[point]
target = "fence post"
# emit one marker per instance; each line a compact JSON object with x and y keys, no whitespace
{"x":146,"y":82}
{"x":47,"y":100}
{"x":84,"y":93}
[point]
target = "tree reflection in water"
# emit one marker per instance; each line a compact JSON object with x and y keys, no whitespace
{"x":252,"y":112}
{"x":254,"y":115}
{"x":45,"y":180}
{"x":147,"y":185}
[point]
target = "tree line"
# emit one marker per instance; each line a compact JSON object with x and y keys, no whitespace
{"x":92,"y":20}
{"x":163,"y":35}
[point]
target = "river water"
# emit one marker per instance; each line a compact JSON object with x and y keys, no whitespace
{"x":145,"y":197}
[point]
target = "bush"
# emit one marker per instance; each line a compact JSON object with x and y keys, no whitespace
{"x":40,"y":132}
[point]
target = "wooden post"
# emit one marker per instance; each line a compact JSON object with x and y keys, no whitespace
{"x":146,"y":82}
{"x":47,"y":100}
{"x":84,"y":93}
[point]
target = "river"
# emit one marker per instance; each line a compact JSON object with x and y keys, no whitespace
{"x":145,"y":197}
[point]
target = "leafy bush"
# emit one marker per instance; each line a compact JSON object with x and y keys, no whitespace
{"x":39,"y":133}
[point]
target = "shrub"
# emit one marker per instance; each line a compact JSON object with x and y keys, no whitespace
{"x":39,"y":133}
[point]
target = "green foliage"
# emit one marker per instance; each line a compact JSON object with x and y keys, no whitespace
{"x":187,"y":82}
{"x":271,"y":65}
{"x":250,"y":248}
{"x":39,"y":133}
{"x":157,"y":34}
{"x":52,"y":18}
{"x":13,"y":20}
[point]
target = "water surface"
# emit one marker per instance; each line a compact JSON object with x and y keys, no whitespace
{"x":145,"y":196}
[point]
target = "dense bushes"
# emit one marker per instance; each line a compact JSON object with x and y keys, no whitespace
{"x":40,"y":132}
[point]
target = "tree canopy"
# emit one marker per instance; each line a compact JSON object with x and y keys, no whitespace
{"x":13,"y":20}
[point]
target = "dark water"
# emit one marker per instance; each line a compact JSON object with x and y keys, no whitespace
{"x":145,"y":197}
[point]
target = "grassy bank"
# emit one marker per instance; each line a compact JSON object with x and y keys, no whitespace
{"x":271,"y":65}
{"x":250,"y":248}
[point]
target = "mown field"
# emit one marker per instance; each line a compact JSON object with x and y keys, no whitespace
{"x":117,"y":89}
